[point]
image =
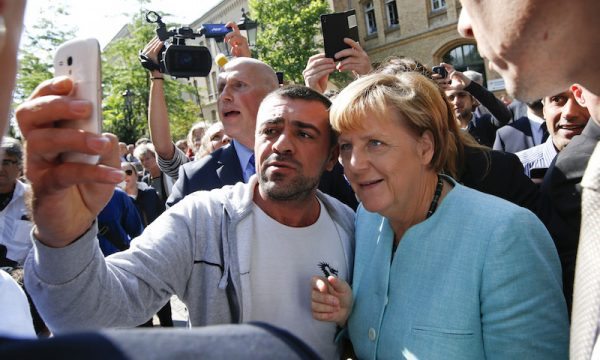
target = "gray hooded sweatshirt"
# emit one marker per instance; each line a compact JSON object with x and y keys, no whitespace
{"x":193,"y":250}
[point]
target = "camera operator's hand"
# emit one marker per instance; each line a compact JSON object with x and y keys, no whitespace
{"x":237,"y":42}
{"x":455,"y":80}
{"x":316,"y":73}
{"x":356,"y":59}
{"x":67,"y":197}
{"x":151,"y":50}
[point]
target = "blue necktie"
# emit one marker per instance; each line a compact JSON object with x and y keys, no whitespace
{"x":545,"y":134}
{"x":250,"y":168}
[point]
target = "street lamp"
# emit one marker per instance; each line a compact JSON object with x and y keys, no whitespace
{"x":128,"y":96}
{"x":251,"y":27}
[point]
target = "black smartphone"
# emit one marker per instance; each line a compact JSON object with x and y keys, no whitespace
{"x":537,"y":173}
{"x":335,"y":27}
{"x":440,"y":70}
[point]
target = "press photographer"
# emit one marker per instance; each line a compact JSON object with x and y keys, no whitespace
{"x":168,"y":156}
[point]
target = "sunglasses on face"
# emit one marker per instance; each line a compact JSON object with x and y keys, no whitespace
{"x":128,"y":172}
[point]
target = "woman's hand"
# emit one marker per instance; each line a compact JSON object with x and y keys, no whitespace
{"x":317,"y":71}
{"x":331,"y":299}
{"x":355,"y":58}
{"x":237,"y":42}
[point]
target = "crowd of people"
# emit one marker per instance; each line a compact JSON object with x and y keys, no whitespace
{"x":408,"y":215}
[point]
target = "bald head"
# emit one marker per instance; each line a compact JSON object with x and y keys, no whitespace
{"x":242,"y":85}
{"x":264,"y":72}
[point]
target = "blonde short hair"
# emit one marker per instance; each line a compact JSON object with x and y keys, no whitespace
{"x":416,"y":99}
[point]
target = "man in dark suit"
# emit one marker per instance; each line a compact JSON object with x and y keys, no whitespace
{"x":481,"y":128}
{"x":561,"y":190}
{"x":242,"y":85}
{"x":525,"y":132}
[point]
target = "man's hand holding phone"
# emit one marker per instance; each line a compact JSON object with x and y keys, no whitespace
{"x":66,"y":196}
{"x":453,"y":79}
{"x":319,"y":67}
{"x":354,"y":59}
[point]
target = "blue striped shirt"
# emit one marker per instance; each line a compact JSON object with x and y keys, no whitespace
{"x":539,"y":156}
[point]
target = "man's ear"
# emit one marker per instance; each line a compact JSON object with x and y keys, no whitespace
{"x":334,"y":153}
{"x":426,"y":147}
{"x":577,"y":91}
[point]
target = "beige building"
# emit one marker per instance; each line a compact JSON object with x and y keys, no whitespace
{"x":421,"y":29}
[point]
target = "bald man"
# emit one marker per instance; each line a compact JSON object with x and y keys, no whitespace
{"x":242,"y":85}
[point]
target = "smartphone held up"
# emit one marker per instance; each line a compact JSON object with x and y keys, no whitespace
{"x":335,"y":27}
{"x":440,"y":70}
{"x":79,"y":59}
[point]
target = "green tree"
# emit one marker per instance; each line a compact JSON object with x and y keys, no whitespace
{"x":122,"y":71}
{"x":39,"y":43}
{"x":289,"y":33}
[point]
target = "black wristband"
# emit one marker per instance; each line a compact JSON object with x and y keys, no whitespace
{"x":156,"y":78}
{"x":147,"y":63}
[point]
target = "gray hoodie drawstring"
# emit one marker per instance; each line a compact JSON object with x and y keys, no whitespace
{"x":225,"y":278}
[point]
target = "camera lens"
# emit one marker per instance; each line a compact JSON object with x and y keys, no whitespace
{"x":185,"y":59}
{"x":70,"y":60}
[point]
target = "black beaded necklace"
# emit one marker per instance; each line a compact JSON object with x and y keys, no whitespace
{"x":436,"y":197}
{"x":434,"y":202}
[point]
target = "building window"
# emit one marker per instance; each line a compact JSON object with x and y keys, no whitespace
{"x":213,"y":115}
{"x":370,"y":18}
{"x":438,"y":5}
{"x":392,"y":13}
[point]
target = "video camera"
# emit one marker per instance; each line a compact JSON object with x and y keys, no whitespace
{"x":178,"y":59}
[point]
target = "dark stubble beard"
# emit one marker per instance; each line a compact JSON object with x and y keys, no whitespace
{"x":301,"y":187}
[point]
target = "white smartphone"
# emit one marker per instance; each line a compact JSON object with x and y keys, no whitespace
{"x":79,"y":59}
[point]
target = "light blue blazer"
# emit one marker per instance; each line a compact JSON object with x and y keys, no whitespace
{"x":480,"y":279}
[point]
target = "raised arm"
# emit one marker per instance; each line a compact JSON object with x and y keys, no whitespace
{"x":456,"y":80}
{"x":158,"y":116}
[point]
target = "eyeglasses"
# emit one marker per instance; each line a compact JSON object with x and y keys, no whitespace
{"x":129,"y":172}
{"x":7,"y":162}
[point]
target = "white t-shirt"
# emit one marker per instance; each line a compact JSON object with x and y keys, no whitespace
{"x":14,"y":228}
{"x":15,"y":316}
{"x":283,"y":261}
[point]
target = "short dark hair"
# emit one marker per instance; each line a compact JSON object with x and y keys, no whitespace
{"x":299,"y":92}
{"x":12,"y":146}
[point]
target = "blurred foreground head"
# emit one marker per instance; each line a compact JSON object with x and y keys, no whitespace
{"x":11,"y":24}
